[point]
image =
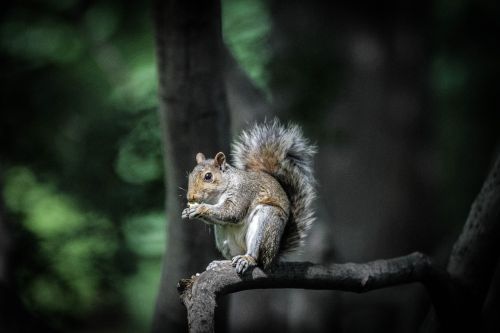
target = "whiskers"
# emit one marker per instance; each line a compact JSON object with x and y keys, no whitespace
{"x":181,"y":195}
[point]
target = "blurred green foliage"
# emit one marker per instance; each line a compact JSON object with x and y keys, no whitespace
{"x":81,"y":157}
{"x":81,"y":160}
{"x":246,"y":28}
{"x":77,"y":246}
{"x":139,"y":154}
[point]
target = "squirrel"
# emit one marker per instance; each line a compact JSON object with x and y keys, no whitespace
{"x":261,"y":207}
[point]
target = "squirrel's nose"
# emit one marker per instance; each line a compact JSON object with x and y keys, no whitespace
{"x":193,"y":198}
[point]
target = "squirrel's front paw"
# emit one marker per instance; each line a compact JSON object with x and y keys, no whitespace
{"x":191,"y":212}
{"x":185,"y":213}
{"x":243,"y":262}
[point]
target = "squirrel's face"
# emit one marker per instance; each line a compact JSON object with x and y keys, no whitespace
{"x":206,"y":181}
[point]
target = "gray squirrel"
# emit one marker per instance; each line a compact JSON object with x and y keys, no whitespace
{"x":261,"y":206}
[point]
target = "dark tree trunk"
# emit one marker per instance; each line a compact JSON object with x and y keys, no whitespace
{"x":195,"y":118}
{"x":247,"y":103}
{"x":354,"y":73}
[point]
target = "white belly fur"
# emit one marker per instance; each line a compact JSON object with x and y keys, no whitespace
{"x":232,"y":240}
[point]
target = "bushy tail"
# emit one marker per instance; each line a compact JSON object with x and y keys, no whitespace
{"x":283,"y":152}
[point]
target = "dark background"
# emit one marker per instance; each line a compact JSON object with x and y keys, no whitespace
{"x":402,"y":99}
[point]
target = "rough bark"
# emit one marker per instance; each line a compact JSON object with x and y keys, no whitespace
{"x":476,"y":252}
{"x":200,"y":293}
{"x":194,"y":118}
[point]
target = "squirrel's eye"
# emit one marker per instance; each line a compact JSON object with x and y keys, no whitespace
{"x":208,"y":176}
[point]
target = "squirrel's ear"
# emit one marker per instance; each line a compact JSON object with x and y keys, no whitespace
{"x":220,"y":160}
{"x":200,"y":158}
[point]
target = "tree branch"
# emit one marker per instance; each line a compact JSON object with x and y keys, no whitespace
{"x":472,"y":262}
{"x":476,"y":251}
{"x":473,"y":259}
{"x":199,"y":294}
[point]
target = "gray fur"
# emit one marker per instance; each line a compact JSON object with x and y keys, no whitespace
{"x":295,"y":173}
{"x":261,"y":206}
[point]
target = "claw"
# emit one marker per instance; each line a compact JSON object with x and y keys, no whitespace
{"x":242,"y":263}
{"x":185,"y":214}
{"x":235,"y":260}
{"x":190,"y":212}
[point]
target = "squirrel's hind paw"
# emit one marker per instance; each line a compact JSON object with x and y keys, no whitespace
{"x":243,"y":262}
